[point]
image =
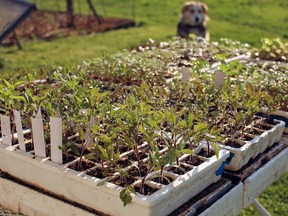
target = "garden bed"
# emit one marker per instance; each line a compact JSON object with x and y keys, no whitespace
{"x":48,"y":25}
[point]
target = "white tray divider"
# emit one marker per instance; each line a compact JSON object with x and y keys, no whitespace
{"x":19,"y":130}
{"x":219,"y":79}
{"x":56,"y":139}
{"x":38,"y":135}
{"x":6,"y":130}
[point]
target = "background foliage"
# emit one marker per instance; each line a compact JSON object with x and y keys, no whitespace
{"x":243,"y":20}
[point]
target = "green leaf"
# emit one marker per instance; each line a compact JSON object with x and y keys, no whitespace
{"x":120,"y":124}
{"x":95,"y":129}
{"x":128,"y":141}
{"x":249,"y":89}
{"x":81,"y":133}
{"x":190,"y":120}
{"x":63,"y":147}
{"x":141,"y":129}
{"x":19,"y":98}
{"x":105,"y":139}
{"x":181,"y":124}
{"x":187,"y":151}
{"x":200,"y":127}
{"x":103,"y":154}
{"x":216,"y":149}
{"x":171,"y":117}
{"x":7,"y":83}
{"x":95,"y":92}
{"x":152,"y":123}
{"x":125,"y":195}
{"x":90,"y":156}
{"x":75,"y":149}
{"x":215,"y":131}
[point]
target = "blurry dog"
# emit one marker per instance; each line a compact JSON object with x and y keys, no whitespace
{"x":193,"y":20}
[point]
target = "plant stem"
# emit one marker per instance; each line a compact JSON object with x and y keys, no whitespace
{"x":81,"y":155}
{"x":161,"y":171}
{"x":144,"y":178}
{"x":13,"y":127}
{"x":208,"y":148}
{"x":175,"y":146}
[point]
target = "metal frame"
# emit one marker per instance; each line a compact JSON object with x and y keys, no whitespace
{"x":14,"y":23}
{"x":260,"y":209}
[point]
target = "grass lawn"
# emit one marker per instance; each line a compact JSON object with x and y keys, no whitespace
{"x":274,"y":199}
{"x":243,"y":20}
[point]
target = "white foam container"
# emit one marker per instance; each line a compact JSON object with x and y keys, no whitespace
{"x":83,"y":189}
{"x":229,"y":204}
{"x":254,"y":147}
{"x":255,"y":184}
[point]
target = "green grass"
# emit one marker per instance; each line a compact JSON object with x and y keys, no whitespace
{"x":243,"y":20}
{"x":274,"y":199}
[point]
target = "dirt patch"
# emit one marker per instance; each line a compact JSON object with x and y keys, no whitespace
{"x":48,"y":25}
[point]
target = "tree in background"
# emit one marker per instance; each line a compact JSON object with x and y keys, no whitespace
{"x":70,"y":12}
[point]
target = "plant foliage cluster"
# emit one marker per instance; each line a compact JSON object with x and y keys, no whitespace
{"x":272,"y":49}
{"x":135,"y":102}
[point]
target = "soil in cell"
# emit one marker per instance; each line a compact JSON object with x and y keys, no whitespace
{"x":233,"y":144}
{"x":96,"y":173}
{"x":147,"y":190}
{"x":123,"y":181}
{"x":179,"y":170}
{"x":162,"y":180}
{"x":193,"y":160}
{"x":204,"y":153}
{"x":83,"y":166}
